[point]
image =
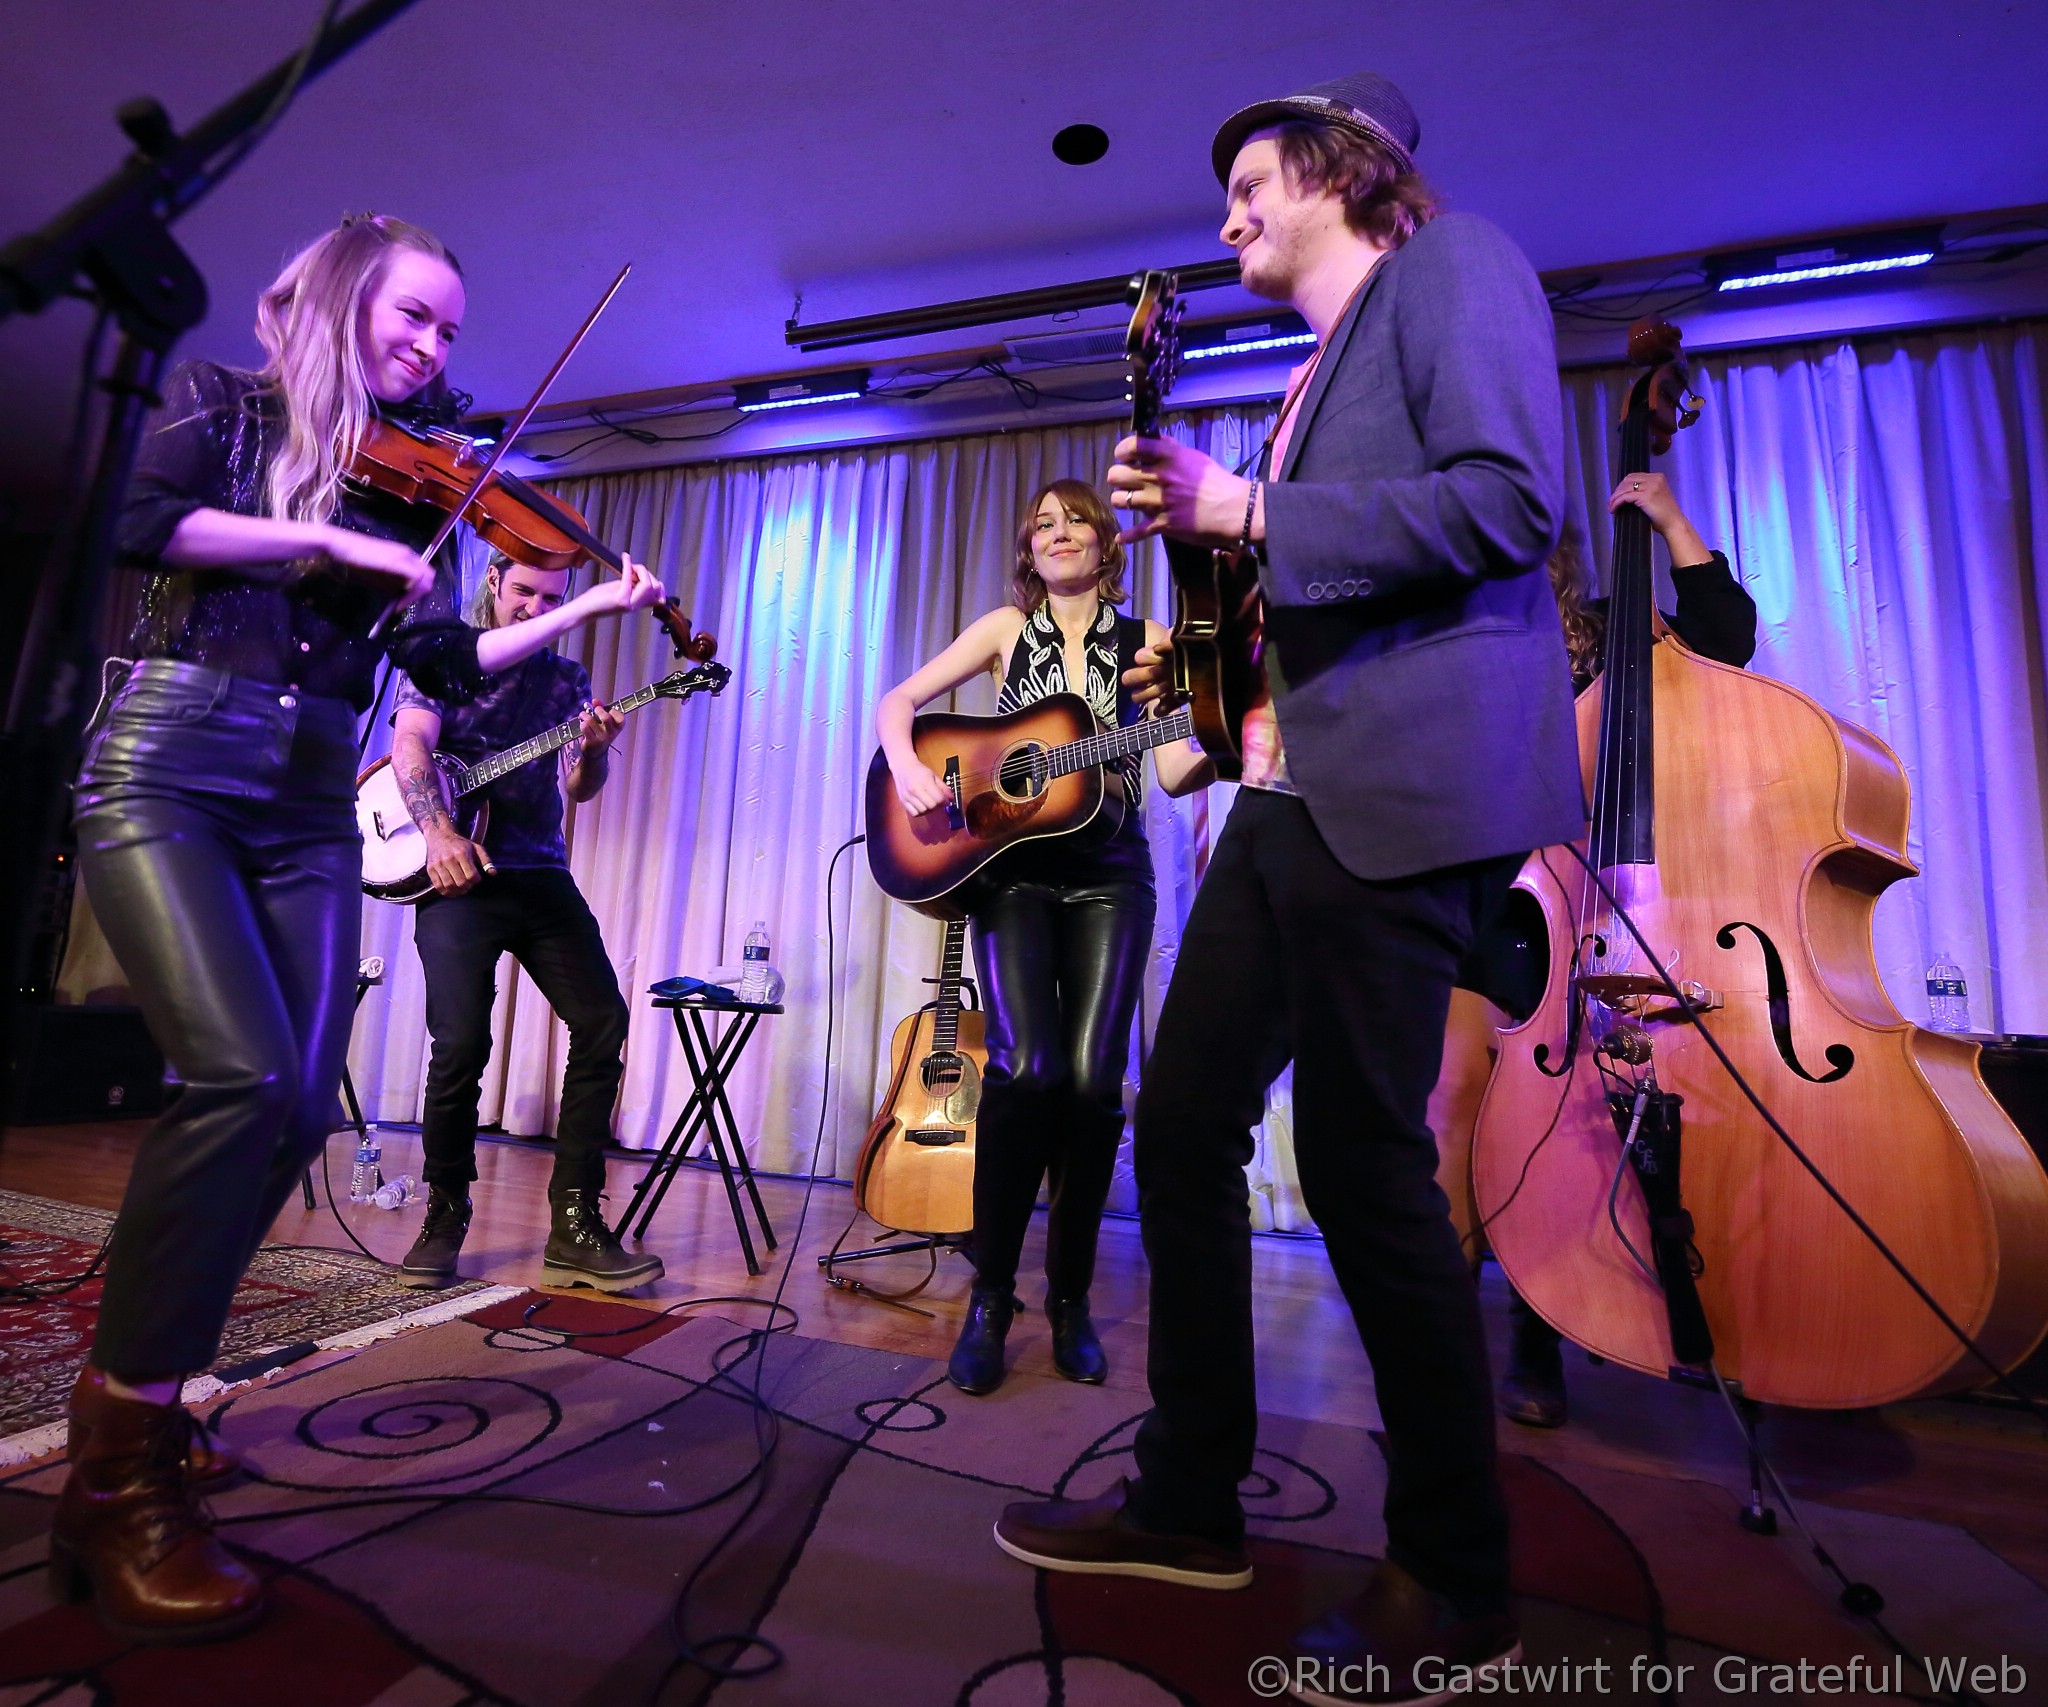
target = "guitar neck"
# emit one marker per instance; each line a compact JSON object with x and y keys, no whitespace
{"x":1121,"y":742}
{"x":946,"y":1015}
{"x":488,"y":770}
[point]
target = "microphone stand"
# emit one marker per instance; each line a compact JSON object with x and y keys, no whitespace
{"x":113,"y":246}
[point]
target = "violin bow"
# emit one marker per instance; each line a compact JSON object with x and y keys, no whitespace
{"x":512,"y":432}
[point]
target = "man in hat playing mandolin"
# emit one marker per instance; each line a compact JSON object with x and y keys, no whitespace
{"x":1416,"y":742}
{"x":513,"y":894}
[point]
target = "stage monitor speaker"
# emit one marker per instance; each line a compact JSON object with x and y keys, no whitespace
{"x":89,"y":1062}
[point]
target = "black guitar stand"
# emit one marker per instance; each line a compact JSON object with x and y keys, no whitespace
{"x":932,"y":1243}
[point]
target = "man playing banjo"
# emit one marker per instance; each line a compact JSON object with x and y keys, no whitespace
{"x":512,"y":893}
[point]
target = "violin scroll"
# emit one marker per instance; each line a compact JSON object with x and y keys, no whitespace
{"x":699,"y":647}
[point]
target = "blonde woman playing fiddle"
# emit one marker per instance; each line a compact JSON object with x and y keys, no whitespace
{"x":217,"y":837}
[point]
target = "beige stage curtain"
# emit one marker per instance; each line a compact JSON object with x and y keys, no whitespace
{"x":1884,"y":499}
{"x":827,"y":579}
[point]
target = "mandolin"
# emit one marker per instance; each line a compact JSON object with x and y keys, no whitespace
{"x":1219,"y":611}
{"x":916,"y":1169}
{"x":1019,"y":776}
{"x":394,"y":847}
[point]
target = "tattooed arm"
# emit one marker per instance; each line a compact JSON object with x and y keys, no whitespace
{"x":455,"y":864}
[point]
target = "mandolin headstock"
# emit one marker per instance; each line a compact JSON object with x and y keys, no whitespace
{"x":1152,"y":346}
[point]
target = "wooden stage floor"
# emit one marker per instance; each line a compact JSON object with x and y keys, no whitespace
{"x":1972,"y":1476}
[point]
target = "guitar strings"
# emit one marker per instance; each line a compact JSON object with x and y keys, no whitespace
{"x":1026,"y":765}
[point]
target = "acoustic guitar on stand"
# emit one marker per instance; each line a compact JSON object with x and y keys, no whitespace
{"x":916,"y":1169}
{"x":395,"y":849}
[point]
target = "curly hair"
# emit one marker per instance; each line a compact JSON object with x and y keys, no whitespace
{"x":1027,"y":590}
{"x":1381,"y":200}
{"x":1585,"y":629}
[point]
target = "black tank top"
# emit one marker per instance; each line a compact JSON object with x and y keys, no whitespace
{"x":1038,"y":666}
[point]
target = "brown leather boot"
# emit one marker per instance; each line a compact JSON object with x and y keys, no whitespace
{"x":130,"y":1532}
{"x":209,"y":1464}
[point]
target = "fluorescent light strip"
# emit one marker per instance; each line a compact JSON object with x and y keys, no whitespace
{"x":1840,"y":269}
{"x":799,"y":402}
{"x":1292,"y":338}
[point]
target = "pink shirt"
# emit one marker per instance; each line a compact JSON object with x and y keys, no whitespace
{"x":1265,"y":758}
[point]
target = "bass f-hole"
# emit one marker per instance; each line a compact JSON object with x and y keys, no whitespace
{"x":1778,"y":995}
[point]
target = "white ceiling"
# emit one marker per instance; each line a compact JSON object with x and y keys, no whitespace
{"x":885,"y":155}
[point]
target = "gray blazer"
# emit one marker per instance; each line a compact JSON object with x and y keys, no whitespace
{"x":1417,"y":661}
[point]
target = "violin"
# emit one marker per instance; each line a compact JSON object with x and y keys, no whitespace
{"x":438,"y":467}
{"x":1632,"y":1193}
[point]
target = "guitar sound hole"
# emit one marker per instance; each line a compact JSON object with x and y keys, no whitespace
{"x":942,"y":1073}
{"x":1021,"y":775}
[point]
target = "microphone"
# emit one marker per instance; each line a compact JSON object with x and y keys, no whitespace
{"x":1629,"y":1043}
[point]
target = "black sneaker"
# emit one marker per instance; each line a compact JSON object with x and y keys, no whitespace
{"x":1094,"y":1538}
{"x":583,"y":1251}
{"x":431,"y":1261}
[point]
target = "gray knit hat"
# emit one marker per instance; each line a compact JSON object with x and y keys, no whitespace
{"x":1364,"y":103}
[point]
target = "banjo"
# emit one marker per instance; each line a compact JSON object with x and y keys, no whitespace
{"x":395,"y":848}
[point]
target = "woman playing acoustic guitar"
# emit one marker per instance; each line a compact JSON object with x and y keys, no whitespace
{"x":1061,"y":930}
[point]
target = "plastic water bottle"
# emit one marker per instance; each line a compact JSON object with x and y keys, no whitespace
{"x":364,"y":1177}
{"x":396,"y":1194}
{"x":754,"y":983}
{"x":1948,"y":998}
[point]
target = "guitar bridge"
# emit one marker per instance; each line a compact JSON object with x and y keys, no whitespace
{"x":956,"y":815}
{"x":935,"y":1136}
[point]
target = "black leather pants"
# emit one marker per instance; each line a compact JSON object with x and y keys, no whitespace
{"x":1060,"y":965}
{"x":217,"y":838}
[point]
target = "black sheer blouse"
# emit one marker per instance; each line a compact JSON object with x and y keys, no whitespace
{"x":208,"y":447}
{"x":1716,"y":617}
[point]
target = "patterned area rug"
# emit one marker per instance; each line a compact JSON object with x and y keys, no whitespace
{"x":486,"y":1512}
{"x":288,"y":1296}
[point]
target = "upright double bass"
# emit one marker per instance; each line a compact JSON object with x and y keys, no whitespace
{"x":1748,"y":833}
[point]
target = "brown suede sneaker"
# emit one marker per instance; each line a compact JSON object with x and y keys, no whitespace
{"x":1094,"y":1537}
{"x":1400,"y":1645}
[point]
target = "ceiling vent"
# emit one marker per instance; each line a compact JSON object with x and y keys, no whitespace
{"x":1069,"y":349}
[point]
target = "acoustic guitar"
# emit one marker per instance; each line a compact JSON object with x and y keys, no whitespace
{"x":916,"y":1169}
{"x":1219,"y":611}
{"x":395,"y":848}
{"x":1020,"y":776}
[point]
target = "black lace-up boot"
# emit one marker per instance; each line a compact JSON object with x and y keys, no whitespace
{"x":431,"y":1261}
{"x":583,"y":1251}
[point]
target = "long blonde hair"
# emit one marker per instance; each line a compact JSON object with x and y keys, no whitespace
{"x":310,"y":325}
